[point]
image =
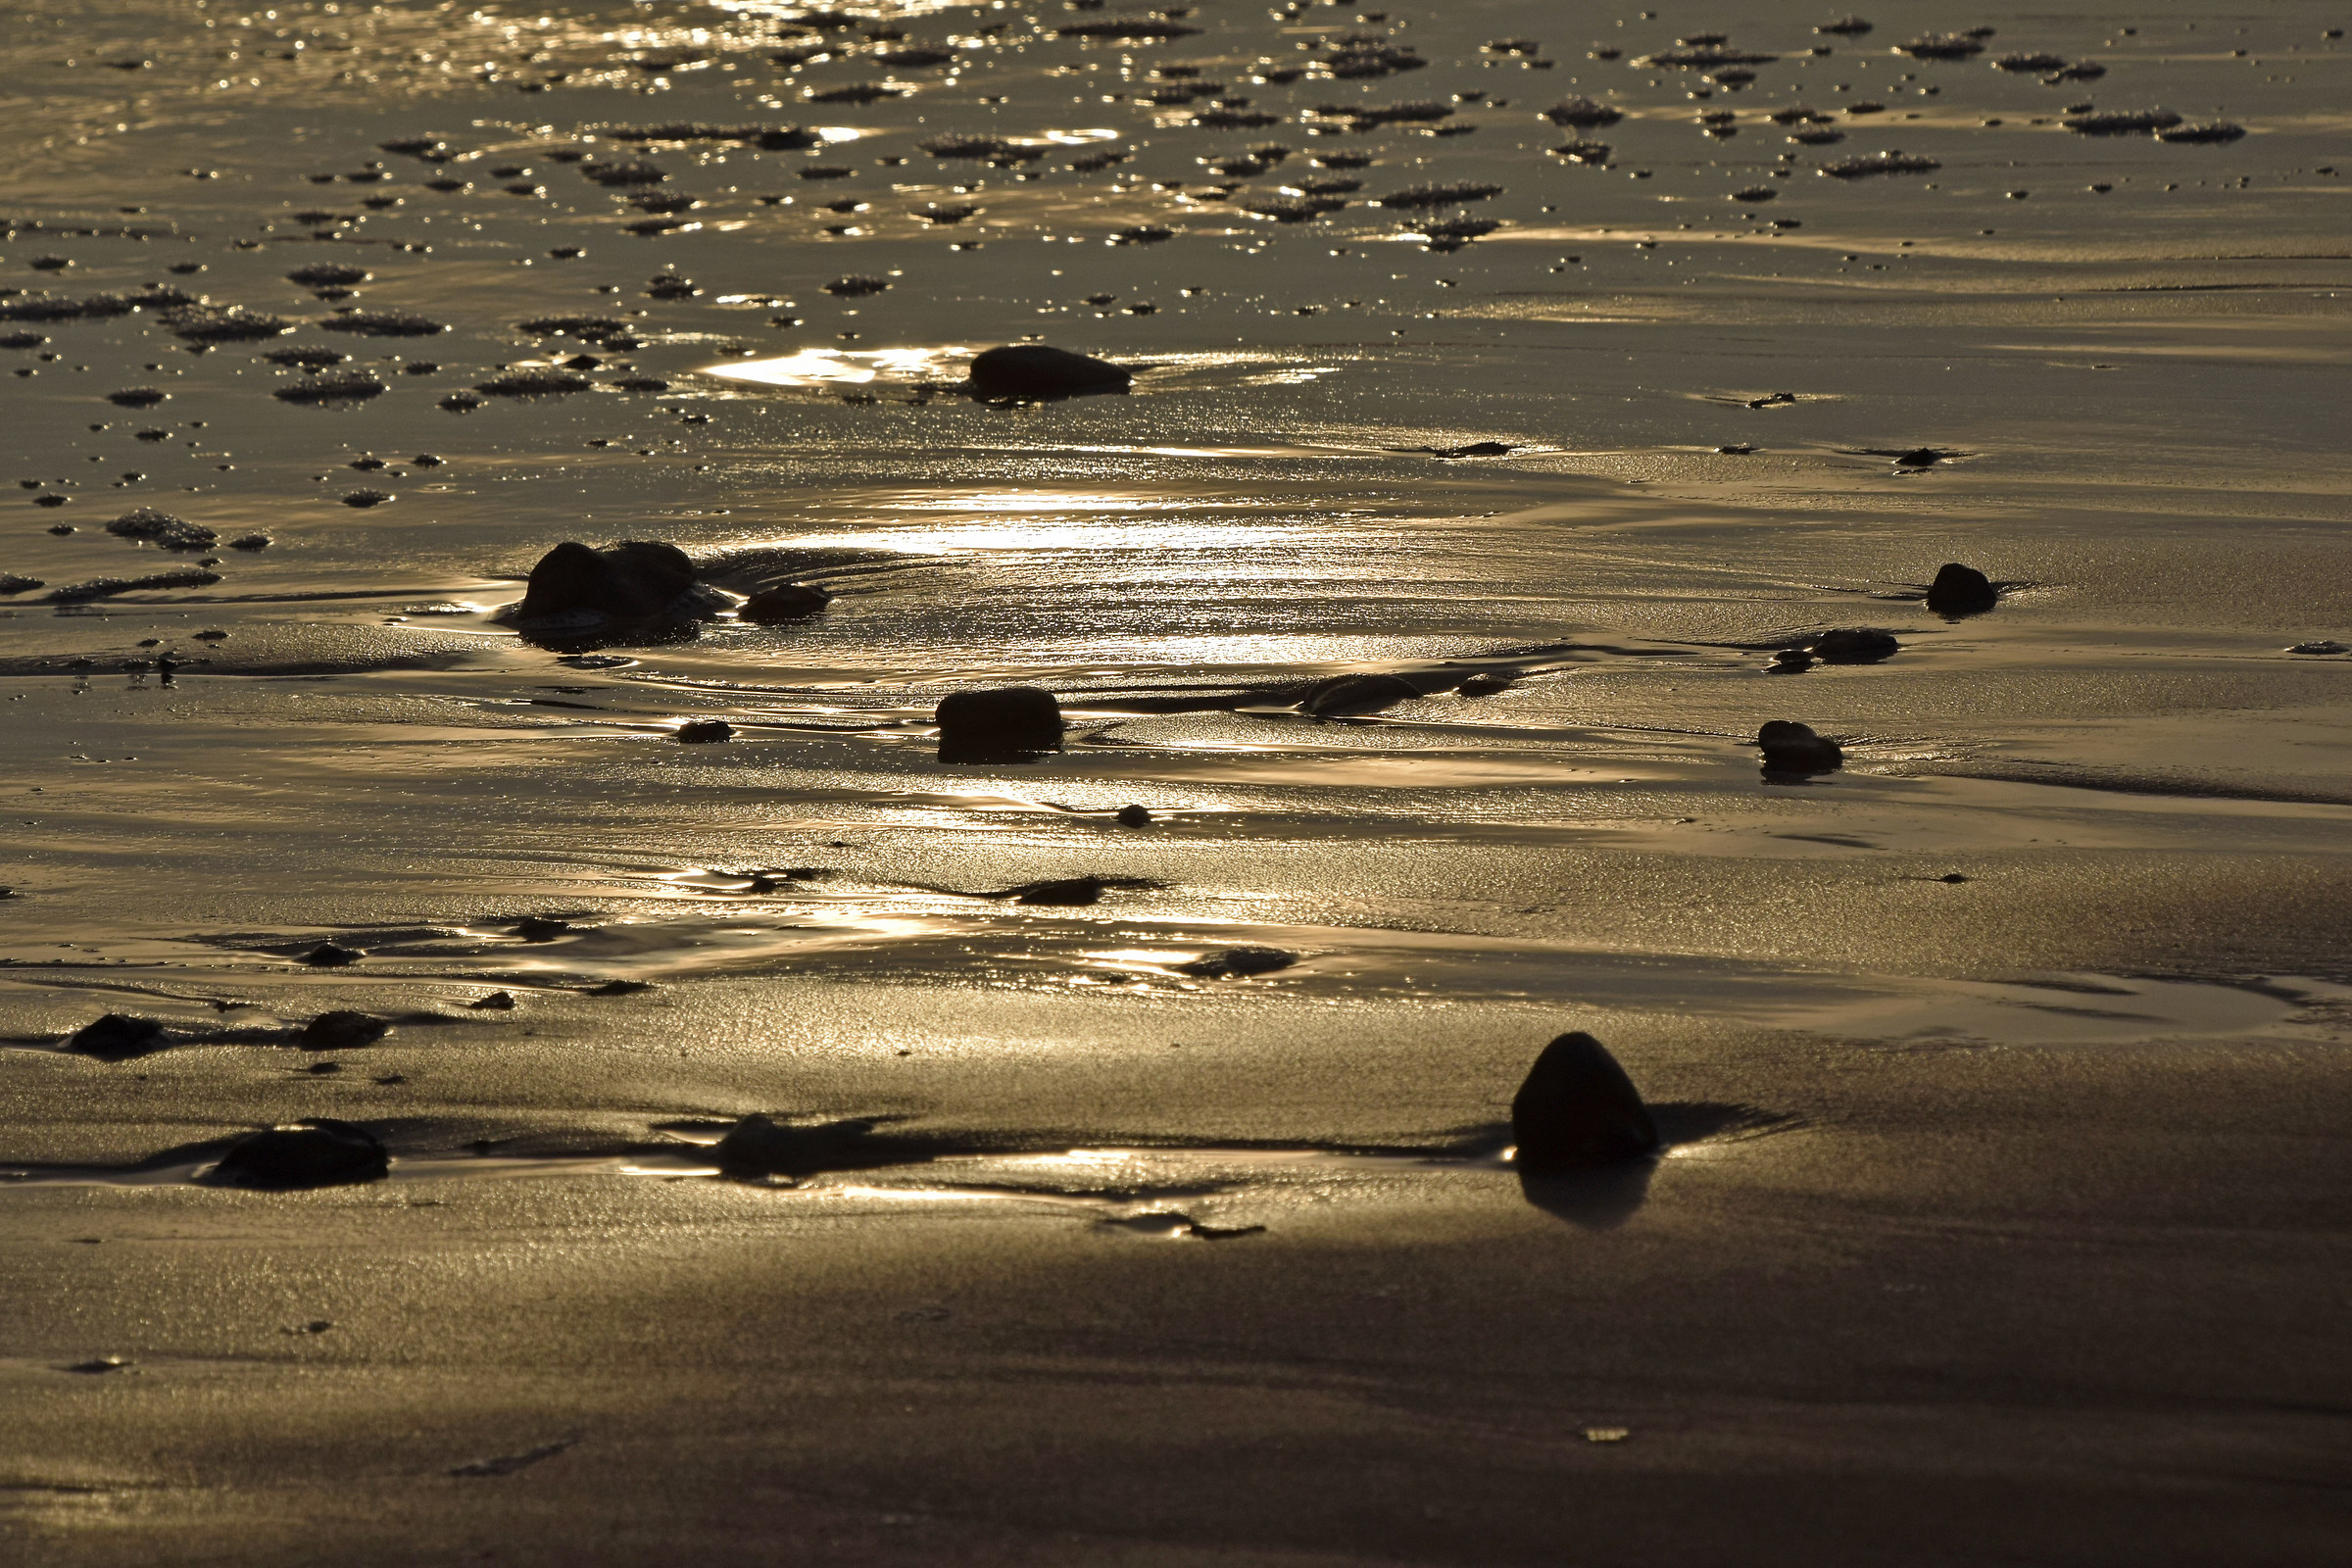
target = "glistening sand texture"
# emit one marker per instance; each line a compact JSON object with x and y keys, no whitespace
{"x":2005,"y":1066}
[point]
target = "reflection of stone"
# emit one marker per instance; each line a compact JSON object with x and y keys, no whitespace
{"x":1597,"y":1200}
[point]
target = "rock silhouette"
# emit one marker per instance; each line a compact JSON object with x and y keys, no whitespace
{"x":703,"y":731}
{"x":635,"y":580}
{"x":759,"y":1146}
{"x":1237,"y":963}
{"x":117,"y":1037}
{"x":321,"y":1153}
{"x":1578,"y":1110}
{"x":1032,"y":372}
{"x":1357,"y":694}
{"x":1960,"y":590}
{"x":342,"y":1030}
{"x":787,"y":602}
{"x":1792,"y":747}
{"x":1004,"y":725}
{"x":1852,"y":644}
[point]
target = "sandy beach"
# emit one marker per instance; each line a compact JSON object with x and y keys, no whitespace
{"x":749,"y":1118}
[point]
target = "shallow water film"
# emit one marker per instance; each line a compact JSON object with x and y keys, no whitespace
{"x":1805,"y":549}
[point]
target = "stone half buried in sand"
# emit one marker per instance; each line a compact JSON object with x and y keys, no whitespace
{"x":1960,"y":590}
{"x":783,"y":604}
{"x":1003,"y":724}
{"x":118,"y":1037}
{"x":759,"y":1146}
{"x":574,"y":587}
{"x":1578,"y":1110}
{"x":1357,"y":694}
{"x":1032,"y":372}
{"x":1792,"y":747}
{"x":319,"y":1153}
{"x":342,"y":1030}
{"x":1853,"y":645}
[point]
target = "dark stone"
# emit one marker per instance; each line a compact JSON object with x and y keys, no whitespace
{"x":1004,"y":724}
{"x":1960,"y":590}
{"x":495,"y":1002}
{"x":342,"y":1030}
{"x":1133,"y":816}
{"x":1357,"y":694}
{"x":1483,"y":685}
{"x":1061,"y":893}
{"x":149,"y":526}
{"x":538,"y":928}
{"x":786,"y":602}
{"x":758,"y":1146}
{"x":1476,"y":449}
{"x":321,"y":1153}
{"x":634,"y":580}
{"x":327,"y":955}
{"x":1578,"y":1110}
{"x":619,"y":988}
{"x":1237,"y":963}
{"x":703,"y":731}
{"x":118,"y":1037}
{"x":1034,"y":373}
{"x":1853,"y":645}
{"x":1790,"y":661}
{"x":1792,"y":747}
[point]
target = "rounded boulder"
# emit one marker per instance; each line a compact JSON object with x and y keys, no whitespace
{"x":1032,"y":372}
{"x":1578,"y":1110}
{"x":1007,"y":723}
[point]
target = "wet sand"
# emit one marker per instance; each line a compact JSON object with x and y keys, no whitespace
{"x":2002,"y":1068}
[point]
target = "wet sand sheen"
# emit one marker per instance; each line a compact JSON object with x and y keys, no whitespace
{"x":1525,"y":409}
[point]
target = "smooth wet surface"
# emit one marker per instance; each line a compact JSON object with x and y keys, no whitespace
{"x":2006,"y":1053}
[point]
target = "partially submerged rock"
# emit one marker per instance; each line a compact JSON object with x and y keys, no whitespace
{"x":704,"y":731}
{"x":117,"y":1037}
{"x":150,"y":526}
{"x":1853,"y":645}
{"x":319,"y":1153}
{"x":1003,"y":724}
{"x":533,"y":385}
{"x":1582,"y":113}
{"x":759,"y":1146}
{"x":1068,"y":891}
{"x":1032,"y":372}
{"x":1960,"y":590}
{"x":1235,"y":963}
{"x":330,"y":955}
{"x":787,"y":602}
{"x":1578,"y":1110}
{"x":634,"y":580}
{"x":1357,"y":694}
{"x":1792,"y":747}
